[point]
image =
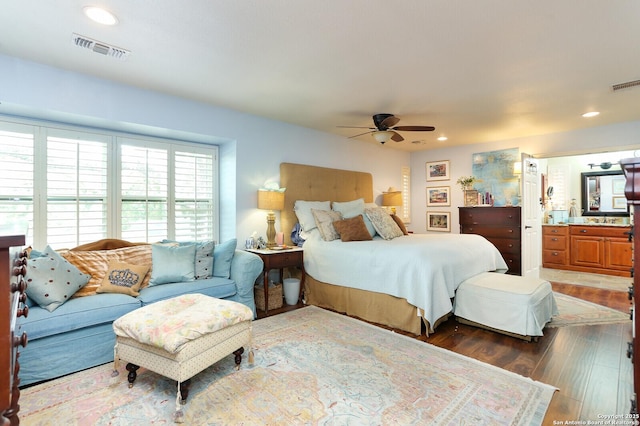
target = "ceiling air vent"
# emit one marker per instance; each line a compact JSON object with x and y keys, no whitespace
{"x":625,"y":85}
{"x":100,"y":47}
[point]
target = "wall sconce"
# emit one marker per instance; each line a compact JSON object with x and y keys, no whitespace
{"x":392,"y":198}
{"x":270,"y":200}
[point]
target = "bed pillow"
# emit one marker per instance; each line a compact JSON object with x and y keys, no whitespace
{"x":172,"y":263}
{"x":385,"y":226}
{"x":352,"y":229}
{"x":123,"y":278}
{"x":52,"y":280}
{"x":400,"y":224}
{"x":354,"y":208}
{"x":324,"y":222}
{"x":303,"y":212}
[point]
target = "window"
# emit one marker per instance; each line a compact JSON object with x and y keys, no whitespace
{"x":71,"y":186}
{"x":406,"y":191}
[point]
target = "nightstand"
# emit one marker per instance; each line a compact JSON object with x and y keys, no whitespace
{"x":279,"y":259}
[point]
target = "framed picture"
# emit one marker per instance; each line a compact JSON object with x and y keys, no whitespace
{"x":619,"y":203}
{"x":618,"y":185}
{"x":438,"y":196}
{"x":437,"y":170}
{"x":439,"y":221}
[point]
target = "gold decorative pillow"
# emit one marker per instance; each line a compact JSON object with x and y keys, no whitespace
{"x":123,"y":278}
{"x":352,"y":229}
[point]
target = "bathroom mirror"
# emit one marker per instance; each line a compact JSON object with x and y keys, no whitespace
{"x":603,"y":194}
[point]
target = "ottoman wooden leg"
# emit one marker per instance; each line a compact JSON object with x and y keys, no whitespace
{"x":184,"y":391}
{"x":238,"y":353}
{"x":131,"y":377}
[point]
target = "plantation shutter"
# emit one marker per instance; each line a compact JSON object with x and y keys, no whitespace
{"x":144,"y":192}
{"x":406,"y":194}
{"x":16,"y":181}
{"x":76,"y":188}
{"x":194,"y":195}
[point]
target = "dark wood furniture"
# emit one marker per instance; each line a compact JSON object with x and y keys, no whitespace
{"x":13,"y":268}
{"x":631,"y":169}
{"x":598,"y":249}
{"x":501,"y":226}
{"x":279,"y":259}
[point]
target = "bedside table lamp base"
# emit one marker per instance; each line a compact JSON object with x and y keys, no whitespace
{"x":271,"y":230}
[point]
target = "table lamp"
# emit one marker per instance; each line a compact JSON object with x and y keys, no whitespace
{"x":392,"y":198}
{"x":270,"y":200}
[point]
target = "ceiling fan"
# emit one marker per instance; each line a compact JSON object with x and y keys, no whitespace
{"x":385,"y":128}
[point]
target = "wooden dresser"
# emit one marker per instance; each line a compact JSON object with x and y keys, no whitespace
{"x":501,"y":226}
{"x":631,"y":169}
{"x":12,"y":285}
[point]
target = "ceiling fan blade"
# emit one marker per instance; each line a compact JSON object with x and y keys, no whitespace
{"x":388,"y":122}
{"x":396,"y":137}
{"x":360,"y":134}
{"x":357,"y":127}
{"x":414,"y":128}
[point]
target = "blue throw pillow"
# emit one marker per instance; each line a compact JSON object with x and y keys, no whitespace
{"x":222,"y":257}
{"x":52,"y":280}
{"x":172,"y":263}
{"x":204,"y":257}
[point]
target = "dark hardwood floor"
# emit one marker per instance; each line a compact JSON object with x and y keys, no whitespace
{"x":588,"y":364}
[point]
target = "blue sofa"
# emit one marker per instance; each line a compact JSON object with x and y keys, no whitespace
{"x":78,"y":334}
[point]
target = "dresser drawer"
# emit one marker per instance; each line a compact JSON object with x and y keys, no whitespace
{"x":555,"y":257}
{"x":555,"y":230}
{"x":491,"y":231}
{"x":499,"y":216}
{"x":506,"y":245}
{"x":283,"y":260}
{"x":554,"y":242}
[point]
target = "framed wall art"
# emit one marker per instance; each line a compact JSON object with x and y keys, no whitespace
{"x":438,"y":196}
{"x":437,"y":170}
{"x":439,"y":221}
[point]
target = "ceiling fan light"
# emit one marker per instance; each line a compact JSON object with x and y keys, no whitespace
{"x":382,"y":136}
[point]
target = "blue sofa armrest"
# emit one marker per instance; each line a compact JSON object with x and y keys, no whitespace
{"x":245,"y":268}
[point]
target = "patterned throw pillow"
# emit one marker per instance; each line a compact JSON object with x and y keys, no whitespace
{"x":352,"y":229}
{"x":52,"y":280}
{"x":123,"y":278}
{"x":385,"y":226}
{"x":324,"y":221}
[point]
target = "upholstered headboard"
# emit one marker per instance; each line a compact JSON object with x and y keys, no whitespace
{"x":312,"y":183}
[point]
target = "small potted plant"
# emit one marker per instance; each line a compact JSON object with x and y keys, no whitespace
{"x":470,"y":196}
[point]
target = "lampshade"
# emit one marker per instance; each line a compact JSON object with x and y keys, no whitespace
{"x":270,"y":200}
{"x":392,"y":198}
{"x":382,"y":136}
{"x":517,"y":168}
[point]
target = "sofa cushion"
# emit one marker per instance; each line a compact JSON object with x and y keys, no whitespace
{"x":77,"y":313}
{"x":52,"y":280}
{"x":222,"y":257}
{"x":172,"y":263}
{"x":123,"y":277}
{"x":204,"y":257}
{"x":96,"y":263}
{"x":214,"y":287}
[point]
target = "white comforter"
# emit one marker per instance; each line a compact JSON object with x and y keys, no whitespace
{"x":424,"y":269}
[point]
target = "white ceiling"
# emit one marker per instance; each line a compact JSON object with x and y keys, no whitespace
{"x":476,"y":70}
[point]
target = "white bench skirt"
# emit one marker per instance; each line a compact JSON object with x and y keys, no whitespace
{"x":509,"y":303}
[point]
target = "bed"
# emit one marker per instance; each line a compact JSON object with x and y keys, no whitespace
{"x":406,"y":283}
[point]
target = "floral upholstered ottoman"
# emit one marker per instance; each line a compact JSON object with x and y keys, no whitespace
{"x":180,"y":337}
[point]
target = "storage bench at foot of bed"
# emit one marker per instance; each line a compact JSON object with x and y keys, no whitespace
{"x":509,"y":304}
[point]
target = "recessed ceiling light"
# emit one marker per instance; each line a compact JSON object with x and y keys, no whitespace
{"x":590,"y":114}
{"x":442,"y":138}
{"x":100,"y":15}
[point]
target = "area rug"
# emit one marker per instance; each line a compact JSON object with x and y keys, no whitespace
{"x":574,"y":311}
{"x":311,"y":367}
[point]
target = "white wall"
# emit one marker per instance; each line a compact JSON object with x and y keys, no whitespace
{"x":617,"y":137}
{"x":251,"y":148}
